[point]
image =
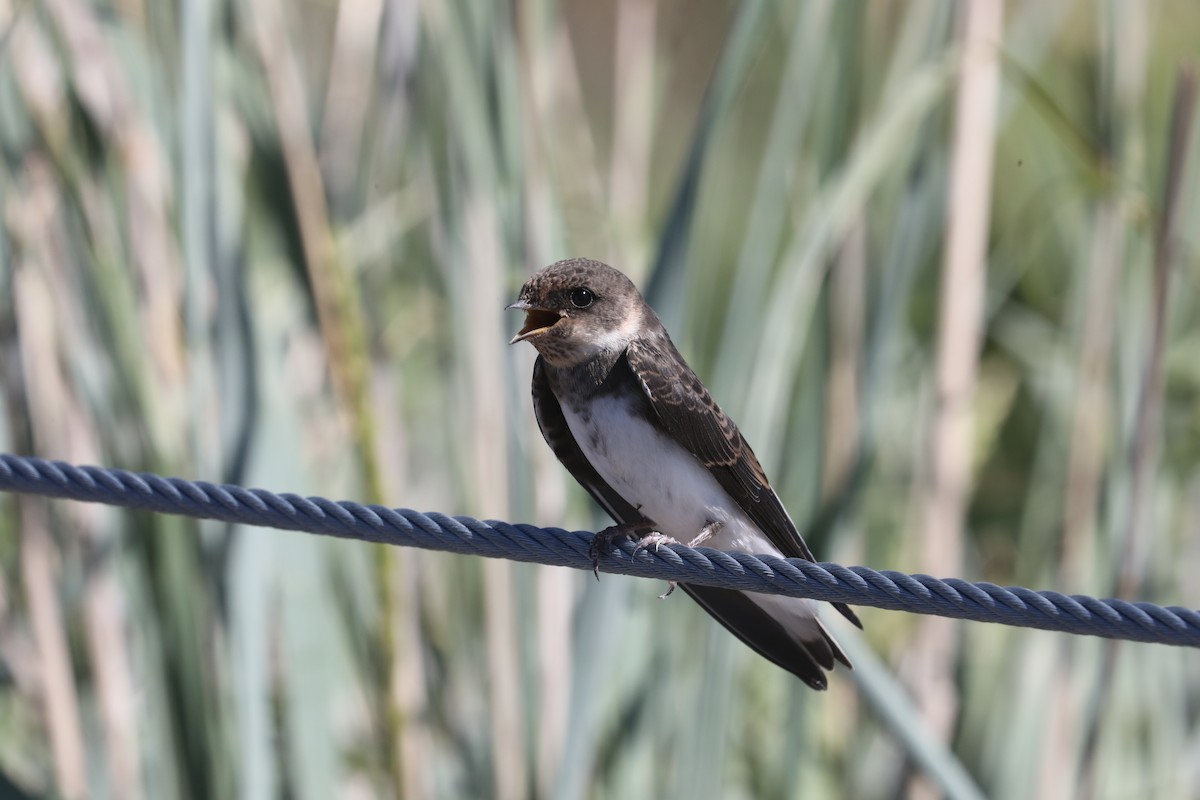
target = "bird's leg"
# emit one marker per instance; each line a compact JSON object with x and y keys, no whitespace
{"x":706,"y":533}
{"x":709,"y":530}
{"x":604,"y":541}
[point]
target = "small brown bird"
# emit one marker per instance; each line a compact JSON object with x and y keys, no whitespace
{"x":627,"y":416}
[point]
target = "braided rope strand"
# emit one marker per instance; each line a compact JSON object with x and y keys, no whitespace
{"x":920,"y":594}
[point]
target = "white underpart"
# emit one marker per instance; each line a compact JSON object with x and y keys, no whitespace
{"x":668,"y":485}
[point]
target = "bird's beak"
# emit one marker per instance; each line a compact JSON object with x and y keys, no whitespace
{"x":537,"y":320}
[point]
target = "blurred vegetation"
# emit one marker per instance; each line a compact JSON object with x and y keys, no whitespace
{"x":269,"y":243}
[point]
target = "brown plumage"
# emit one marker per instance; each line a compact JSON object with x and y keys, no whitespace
{"x":608,"y":379}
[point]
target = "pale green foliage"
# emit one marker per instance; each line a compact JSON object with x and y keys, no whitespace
{"x":184,"y":185}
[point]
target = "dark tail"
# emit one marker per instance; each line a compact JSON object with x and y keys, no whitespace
{"x":807,"y":657}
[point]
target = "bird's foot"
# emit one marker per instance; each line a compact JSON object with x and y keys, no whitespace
{"x":603,"y":542}
{"x":656,"y":540}
{"x":653,"y":539}
{"x":606,"y":539}
{"x":705,"y":534}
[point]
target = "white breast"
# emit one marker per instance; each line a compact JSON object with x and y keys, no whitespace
{"x":660,"y":478}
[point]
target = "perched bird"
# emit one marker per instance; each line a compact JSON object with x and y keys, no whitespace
{"x":626,"y":415}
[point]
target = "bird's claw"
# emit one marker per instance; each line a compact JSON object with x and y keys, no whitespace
{"x":656,"y":540}
{"x":653,"y":539}
{"x":603,"y":542}
{"x":600,"y":545}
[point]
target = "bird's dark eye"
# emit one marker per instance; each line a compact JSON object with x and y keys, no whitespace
{"x":582,"y":298}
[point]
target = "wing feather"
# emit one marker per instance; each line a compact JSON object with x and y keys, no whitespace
{"x":687,"y":412}
{"x":743,"y":618}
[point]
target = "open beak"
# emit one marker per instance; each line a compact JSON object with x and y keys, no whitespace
{"x":537,"y":320}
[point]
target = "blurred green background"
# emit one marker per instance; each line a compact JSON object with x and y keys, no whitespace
{"x":269,"y":243}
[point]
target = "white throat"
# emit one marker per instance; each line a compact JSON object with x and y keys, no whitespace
{"x":614,"y":340}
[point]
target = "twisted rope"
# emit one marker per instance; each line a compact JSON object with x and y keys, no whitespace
{"x":919,"y":594}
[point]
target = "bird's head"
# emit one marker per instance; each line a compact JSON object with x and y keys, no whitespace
{"x":578,"y":309}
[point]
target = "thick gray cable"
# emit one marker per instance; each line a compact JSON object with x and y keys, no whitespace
{"x":919,"y":594}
